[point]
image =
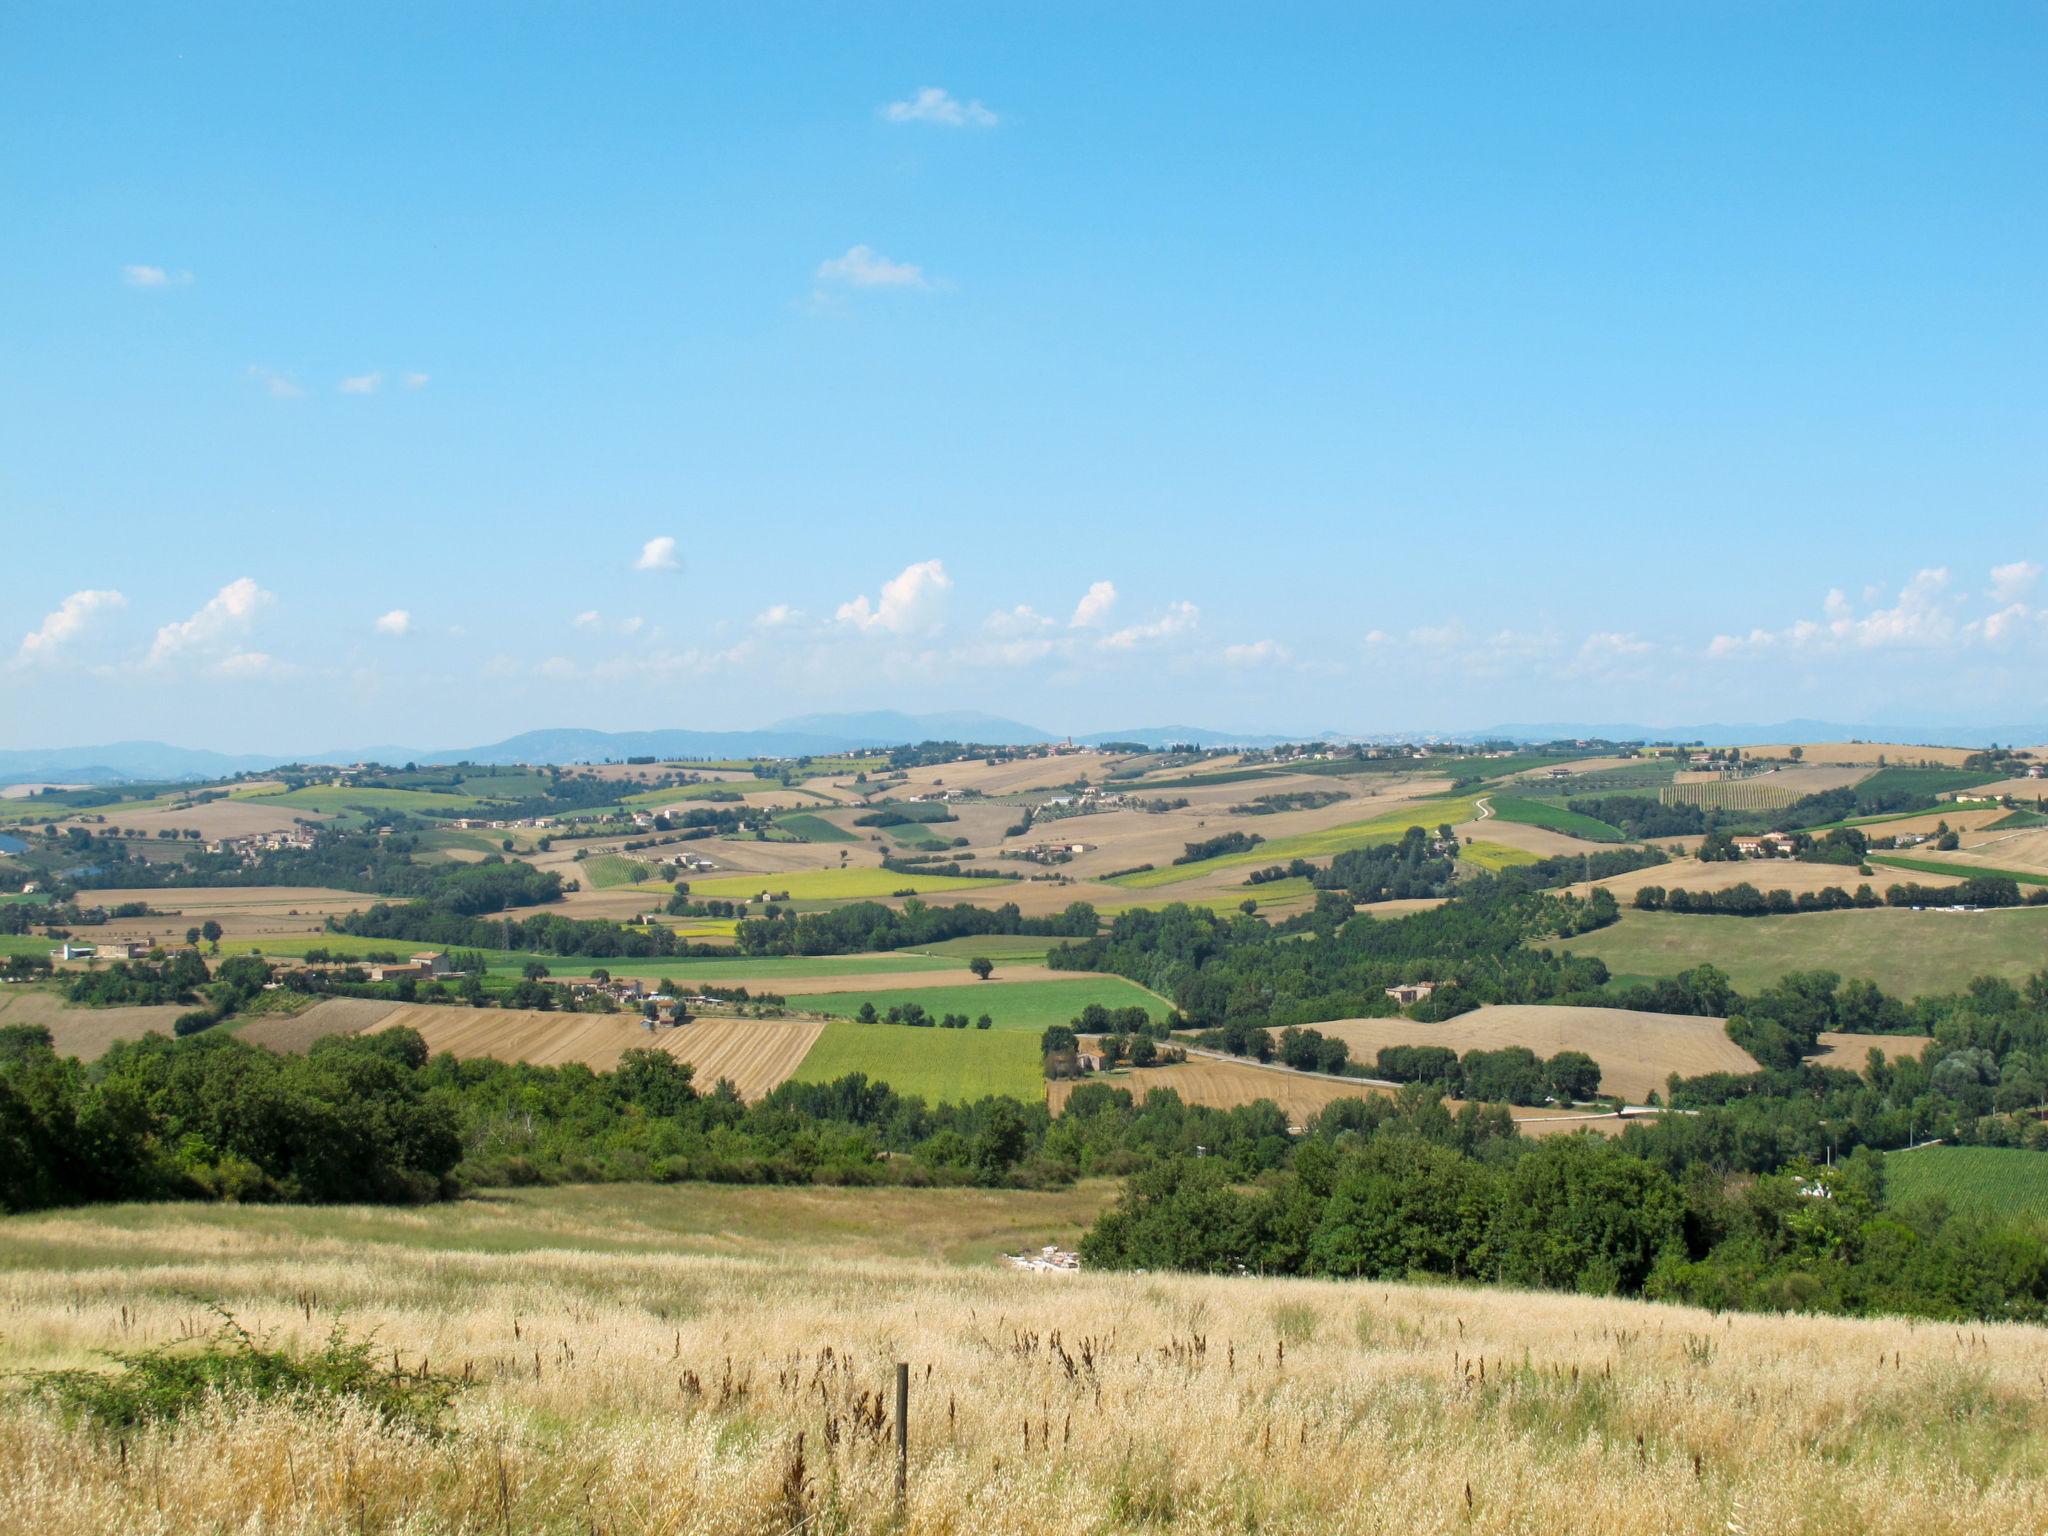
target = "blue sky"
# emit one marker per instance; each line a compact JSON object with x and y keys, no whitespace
{"x":1351,"y":367}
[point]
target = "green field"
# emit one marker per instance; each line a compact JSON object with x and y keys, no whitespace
{"x":1026,"y":1007}
{"x":610,"y":869}
{"x":917,"y":835}
{"x":829,"y":884}
{"x":1936,"y":867}
{"x":1925,"y":781}
{"x":1909,"y":954}
{"x":711,"y":788}
{"x":1548,"y":814}
{"x":813,"y":828}
{"x":1751,"y":794}
{"x":1992,"y":1181}
{"x":326,"y":800}
{"x":956,"y":1065}
{"x":996,"y":946}
{"x":1495,"y":856}
{"x":1308,"y":845}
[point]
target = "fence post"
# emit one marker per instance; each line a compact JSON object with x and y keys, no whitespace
{"x":902,"y":1430}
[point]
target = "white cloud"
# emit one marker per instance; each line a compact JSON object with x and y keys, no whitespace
{"x":1258,"y":653}
{"x":864,"y":267}
{"x":1020,"y":620}
{"x":280,"y":387}
{"x":907,"y":601}
{"x":941,"y":107}
{"x":397,"y":622}
{"x":1094,"y":606}
{"x":253,"y":665}
{"x":1923,"y":618}
{"x":361,"y":384}
{"x":414,"y":380}
{"x":558,"y":667}
{"x":137,"y":275}
{"x":658,"y":555}
{"x":587,"y":619}
{"x":64,"y":623}
{"x":1178,"y":619}
{"x":778,"y":617}
{"x":2010,"y":583}
{"x":227,"y":613}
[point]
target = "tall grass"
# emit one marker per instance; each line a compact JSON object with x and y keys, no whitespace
{"x":642,"y":1393}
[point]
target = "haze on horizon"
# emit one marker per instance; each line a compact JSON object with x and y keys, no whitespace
{"x":378,"y":374}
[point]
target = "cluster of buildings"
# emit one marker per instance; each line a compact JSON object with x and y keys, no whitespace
{"x":478,"y":824}
{"x":110,"y":949}
{"x":247,"y":848}
{"x":1768,"y":845}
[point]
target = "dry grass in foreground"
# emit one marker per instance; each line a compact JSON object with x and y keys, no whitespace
{"x":628,"y":1392}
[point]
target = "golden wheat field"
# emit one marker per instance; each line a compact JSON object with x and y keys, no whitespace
{"x":626,"y":1378}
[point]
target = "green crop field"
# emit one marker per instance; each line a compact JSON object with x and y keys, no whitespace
{"x":942,"y":1065}
{"x":861,"y":884}
{"x":1937,"y":867}
{"x":918,"y":836}
{"x":1025,"y":1006}
{"x":1925,"y":781}
{"x":1909,"y":954}
{"x":326,"y":800}
{"x":1495,"y":856}
{"x":1645,"y":776}
{"x":610,"y":869}
{"x":1757,"y":794}
{"x":1990,"y":1181}
{"x":994,"y":946}
{"x":1308,"y":845}
{"x":1554,"y":817}
{"x":711,"y":789}
{"x":813,"y":828}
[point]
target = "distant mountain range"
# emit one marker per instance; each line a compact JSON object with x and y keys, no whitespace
{"x":823,"y":734}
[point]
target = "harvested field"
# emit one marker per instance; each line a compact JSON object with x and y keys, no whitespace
{"x":214,"y":818}
{"x":1008,"y":778}
{"x":330,"y":1016}
{"x":754,"y":1054}
{"x":2024,"y":850}
{"x":852,"y":884}
{"x":1869,"y":754}
{"x":1299,"y":1095}
{"x":1524,"y":837}
{"x":1636,"y":1051}
{"x":1792,"y":875}
{"x":246,"y":913}
{"x":1848,"y":1052}
{"x":82,"y":1032}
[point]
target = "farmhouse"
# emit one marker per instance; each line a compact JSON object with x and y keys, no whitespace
{"x":435,"y":961}
{"x":1411,"y":992}
{"x":70,"y":951}
{"x":394,"y":970}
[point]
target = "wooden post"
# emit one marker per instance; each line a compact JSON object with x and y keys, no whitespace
{"x":902,"y":1430}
